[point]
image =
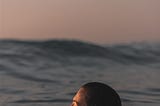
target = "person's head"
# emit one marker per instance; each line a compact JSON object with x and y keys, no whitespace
{"x":96,"y":94}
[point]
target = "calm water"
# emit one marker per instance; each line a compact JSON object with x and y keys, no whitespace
{"x":48,"y":73}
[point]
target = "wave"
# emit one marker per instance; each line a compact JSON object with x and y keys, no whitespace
{"x":58,"y":49}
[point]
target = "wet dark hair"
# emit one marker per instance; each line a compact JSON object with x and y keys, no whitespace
{"x":99,"y":94}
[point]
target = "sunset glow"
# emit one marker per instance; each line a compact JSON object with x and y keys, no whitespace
{"x":101,"y":21}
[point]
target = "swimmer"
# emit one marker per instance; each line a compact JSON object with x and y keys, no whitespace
{"x":96,"y":94}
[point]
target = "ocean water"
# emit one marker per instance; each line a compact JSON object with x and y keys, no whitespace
{"x":48,"y":73}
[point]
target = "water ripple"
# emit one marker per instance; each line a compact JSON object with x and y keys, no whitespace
{"x":140,"y":93}
{"x":11,"y":91}
{"x":42,"y":101}
{"x":32,"y":78}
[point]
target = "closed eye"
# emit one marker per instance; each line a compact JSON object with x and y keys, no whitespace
{"x":75,"y":103}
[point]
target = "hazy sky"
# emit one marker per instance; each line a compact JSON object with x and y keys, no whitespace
{"x":102,"y":21}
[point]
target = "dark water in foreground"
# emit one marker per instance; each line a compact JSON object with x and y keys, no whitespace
{"x":49,"y":73}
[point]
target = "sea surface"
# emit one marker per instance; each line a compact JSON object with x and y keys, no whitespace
{"x":48,"y":73}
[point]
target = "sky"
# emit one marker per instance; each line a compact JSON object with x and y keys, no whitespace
{"x":100,"y":21}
